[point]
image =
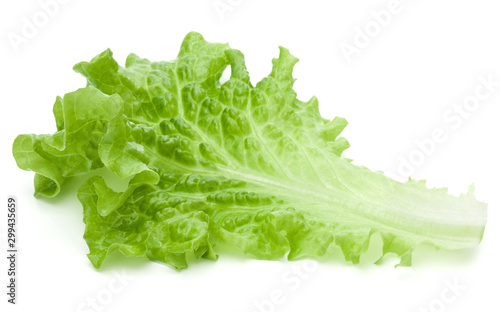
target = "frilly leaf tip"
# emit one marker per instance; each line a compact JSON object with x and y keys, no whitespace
{"x":471,"y":190}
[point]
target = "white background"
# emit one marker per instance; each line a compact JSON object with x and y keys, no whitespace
{"x":394,"y":91}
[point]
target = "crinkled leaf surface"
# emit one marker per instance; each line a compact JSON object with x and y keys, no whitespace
{"x":246,"y":165}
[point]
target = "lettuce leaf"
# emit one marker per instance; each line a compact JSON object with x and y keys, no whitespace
{"x":211,"y":162}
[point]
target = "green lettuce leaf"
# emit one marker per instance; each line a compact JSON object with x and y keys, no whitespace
{"x":233,"y":163}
